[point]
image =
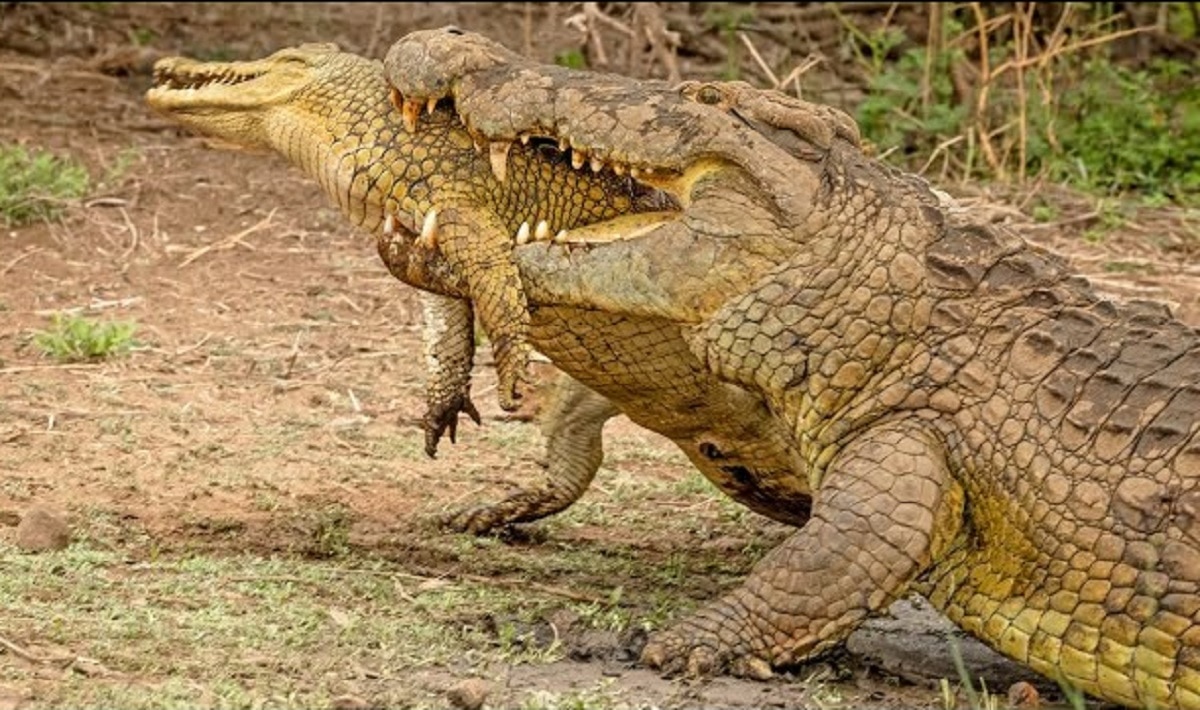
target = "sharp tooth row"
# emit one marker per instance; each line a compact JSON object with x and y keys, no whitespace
{"x":497,"y":151}
{"x":539,"y":233}
{"x":428,"y":237}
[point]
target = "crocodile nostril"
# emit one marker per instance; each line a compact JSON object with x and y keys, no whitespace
{"x":709,"y":450}
{"x":741,"y":474}
{"x":454,"y":30}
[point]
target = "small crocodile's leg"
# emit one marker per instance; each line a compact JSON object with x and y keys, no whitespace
{"x":478,"y":246}
{"x":571,"y":424}
{"x":887,"y":508}
{"x":449,"y":339}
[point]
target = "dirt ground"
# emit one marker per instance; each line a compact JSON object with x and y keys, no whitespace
{"x":259,"y":451}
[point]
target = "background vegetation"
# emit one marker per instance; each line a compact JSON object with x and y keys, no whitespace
{"x":1104,"y":97}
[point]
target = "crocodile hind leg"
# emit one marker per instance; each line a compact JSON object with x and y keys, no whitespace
{"x":571,"y":424}
{"x":887,"y":508}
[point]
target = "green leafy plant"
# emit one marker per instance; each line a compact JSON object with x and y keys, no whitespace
{"x":1053,"y":104}
{"x":571,"y":59}
{"x":1123,"y":130}
{"x":35,"y":185}
{"x":73,"y":338}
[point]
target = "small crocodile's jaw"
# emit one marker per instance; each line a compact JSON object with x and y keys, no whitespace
{"x":229,"y":99}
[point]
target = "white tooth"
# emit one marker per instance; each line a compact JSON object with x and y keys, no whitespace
{"x":430,"y":105}
{"x":542,"y":231}
{"x":523,"y":233}
{"x":563,"y":144}
{"x":618,"y":168}
{"x":635,"y":171}
{"x":577,"y":158}
{"x":524,"y":139}
{"x":389,"y":224}
{"x":596,"y":165}
{"x":429,"y":229}
{"x":498,"y":155}
{"x":561,"y":236}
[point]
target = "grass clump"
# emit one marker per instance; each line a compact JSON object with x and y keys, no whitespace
{"x":35,"y":185}
{"x":1012,"y":97}
{"x":74,"y":338}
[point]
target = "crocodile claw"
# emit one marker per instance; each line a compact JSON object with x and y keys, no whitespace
{"x":700,"y":655}
{"x":442,"y":417}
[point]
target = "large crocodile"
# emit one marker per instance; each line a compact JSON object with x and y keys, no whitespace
{"x":974,"y":421}
{"x":303,"y":103}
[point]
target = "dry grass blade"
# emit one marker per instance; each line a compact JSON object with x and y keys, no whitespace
{"x":762,"y":64}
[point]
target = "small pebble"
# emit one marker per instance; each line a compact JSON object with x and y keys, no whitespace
{"x":41,"y":531}
{"x":469,"y":694}
{"x":1023,"y":695}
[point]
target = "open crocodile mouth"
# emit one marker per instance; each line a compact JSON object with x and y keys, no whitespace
{"x":174,"y":79}
{"x":655,"y":191}
{"x":580,"y":157}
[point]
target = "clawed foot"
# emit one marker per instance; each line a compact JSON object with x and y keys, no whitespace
{"x":442,"y":417}
{"x":476,"y":520}
{"x":696,"y":653}
{"x":511,"y":353}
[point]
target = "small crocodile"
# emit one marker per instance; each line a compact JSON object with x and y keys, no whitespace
{"x":974,"y":422}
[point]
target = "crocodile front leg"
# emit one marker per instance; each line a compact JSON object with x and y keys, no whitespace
{"x":477,"y":245}
{"x":887,"y":509}
{"x":571,"y":425}
{"x":449,"y":343}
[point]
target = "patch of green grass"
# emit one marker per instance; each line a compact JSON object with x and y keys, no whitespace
{"x":235,"y":631}
{"x":600,"y":697}
{"x":1079,"y":118}
{"x":727,"y":19}
{"x":571,"y":59}
{"x":329,"y":531}
{"x":36,"y":185}
{"x":74,"y":338}
{"x":142,"y":36}
{"x":1121,"y":130}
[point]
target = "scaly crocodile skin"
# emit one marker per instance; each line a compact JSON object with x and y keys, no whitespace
{"x":975,"y":422}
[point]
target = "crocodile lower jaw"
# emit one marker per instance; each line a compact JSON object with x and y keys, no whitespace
{"x":623,"y":228}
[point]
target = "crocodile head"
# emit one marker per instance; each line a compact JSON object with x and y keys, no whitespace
{"x":232,"y":101}
{"x":664,"y":135}
{"x":748,"y":167}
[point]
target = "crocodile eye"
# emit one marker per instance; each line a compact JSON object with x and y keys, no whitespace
{"x":709,"y":95}
{"x":454,"y":30}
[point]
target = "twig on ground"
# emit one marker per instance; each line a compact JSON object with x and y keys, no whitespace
{"x":229,"y":242}
{"x":18,"y":369}
{"x":135,"y":235}
{"x":19,"y":258}
{"x":20,"y":652}
{"x":96,"y":305}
